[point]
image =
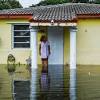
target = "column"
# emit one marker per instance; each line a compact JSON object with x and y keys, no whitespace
{"x":73,"y":47}
{"x":33,"y":33}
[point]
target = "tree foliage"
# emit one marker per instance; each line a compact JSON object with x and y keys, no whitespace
{"x":9,"y":4}
{"x":97,"y":1}
{"x":53,"y":2}
{"x":89,"y":1}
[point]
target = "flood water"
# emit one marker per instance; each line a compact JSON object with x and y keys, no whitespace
{"x":56,"y":83}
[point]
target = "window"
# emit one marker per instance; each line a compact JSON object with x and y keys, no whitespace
{"x":22,"y":89}
{"x":21,"y":36}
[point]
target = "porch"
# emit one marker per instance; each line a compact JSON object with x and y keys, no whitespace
{"x":56,"y":37}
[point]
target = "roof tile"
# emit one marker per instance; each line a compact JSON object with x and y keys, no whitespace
{"x":62,"y":12}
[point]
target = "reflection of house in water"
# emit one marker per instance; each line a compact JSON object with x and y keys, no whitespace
{"x":44,"y":82}
{"x":21,"y":90}
{"x":56,"y":82}
{"x":44,"y":85}
{"x":52,"y":84}
{"x":72,"y":90}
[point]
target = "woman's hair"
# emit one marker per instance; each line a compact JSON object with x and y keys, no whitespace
{"x":43,"y":37}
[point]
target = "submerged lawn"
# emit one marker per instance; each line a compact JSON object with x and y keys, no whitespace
{"x":51,"y":85}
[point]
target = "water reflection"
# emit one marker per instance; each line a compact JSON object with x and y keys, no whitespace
{"x":21,"y":90}
{"x":52,"y":85}
{"x":72,"y":84}
{"x":44,"y":80}
{"x":44,"y":83}
{"x":11,"y":70}
{"x":58,"y":83}
{"x":20,"y":86}
{"x":33,"y":84}
{"x":54,"y":82}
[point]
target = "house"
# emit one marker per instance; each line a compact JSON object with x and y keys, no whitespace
{"x":73,"y":30}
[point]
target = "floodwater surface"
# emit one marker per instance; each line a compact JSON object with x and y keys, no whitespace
{"x":56,"y":83}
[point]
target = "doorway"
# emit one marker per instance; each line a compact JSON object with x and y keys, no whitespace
{"x":55,"y":37}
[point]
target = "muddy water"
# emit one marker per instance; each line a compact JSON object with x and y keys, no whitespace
{"x":58,"y":83}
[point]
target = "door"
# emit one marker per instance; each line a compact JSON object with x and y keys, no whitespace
{"x":55,"y":37}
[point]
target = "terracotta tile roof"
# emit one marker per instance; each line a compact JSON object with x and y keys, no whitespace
{"x":60,"y":12}
{"x":68,"y":11}
{"x":16,"y":11}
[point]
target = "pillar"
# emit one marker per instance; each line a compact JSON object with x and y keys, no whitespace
{"x":73,"y":31}
{"x":33,"y":34}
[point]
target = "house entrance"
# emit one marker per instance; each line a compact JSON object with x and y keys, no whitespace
{"x":55,"y":37}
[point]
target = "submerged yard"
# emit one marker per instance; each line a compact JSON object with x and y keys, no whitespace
{"x":56,"y":84}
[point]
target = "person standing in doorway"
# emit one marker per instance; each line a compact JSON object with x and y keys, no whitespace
{"x":44,"y":51}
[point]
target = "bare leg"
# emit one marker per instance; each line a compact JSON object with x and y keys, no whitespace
{"x":43,"y":63}
{"x":46,"y":65}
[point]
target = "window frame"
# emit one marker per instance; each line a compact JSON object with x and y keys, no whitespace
{"x":12,"y":42}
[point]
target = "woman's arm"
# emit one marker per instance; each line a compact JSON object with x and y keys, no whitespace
{"x":49,"y":49}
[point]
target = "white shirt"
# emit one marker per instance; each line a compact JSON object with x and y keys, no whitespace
{"x":44,"y":49}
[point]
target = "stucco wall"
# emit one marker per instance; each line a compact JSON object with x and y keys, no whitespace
{"x":88,"y":39}
{"x":6,"y":43}
{"x":88,"y":42}
{"x":66,"y":45}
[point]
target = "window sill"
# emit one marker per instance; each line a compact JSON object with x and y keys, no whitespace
{"x":21,"y":49}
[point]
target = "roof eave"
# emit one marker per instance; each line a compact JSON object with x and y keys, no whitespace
{"x":15,"y":16}
{"x":86,"y":16}
{"x":54,"y":23}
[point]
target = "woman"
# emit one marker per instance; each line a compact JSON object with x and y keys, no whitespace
{"x":44,"y":50}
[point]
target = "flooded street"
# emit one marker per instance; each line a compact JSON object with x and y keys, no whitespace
{"x":58,"y":83}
